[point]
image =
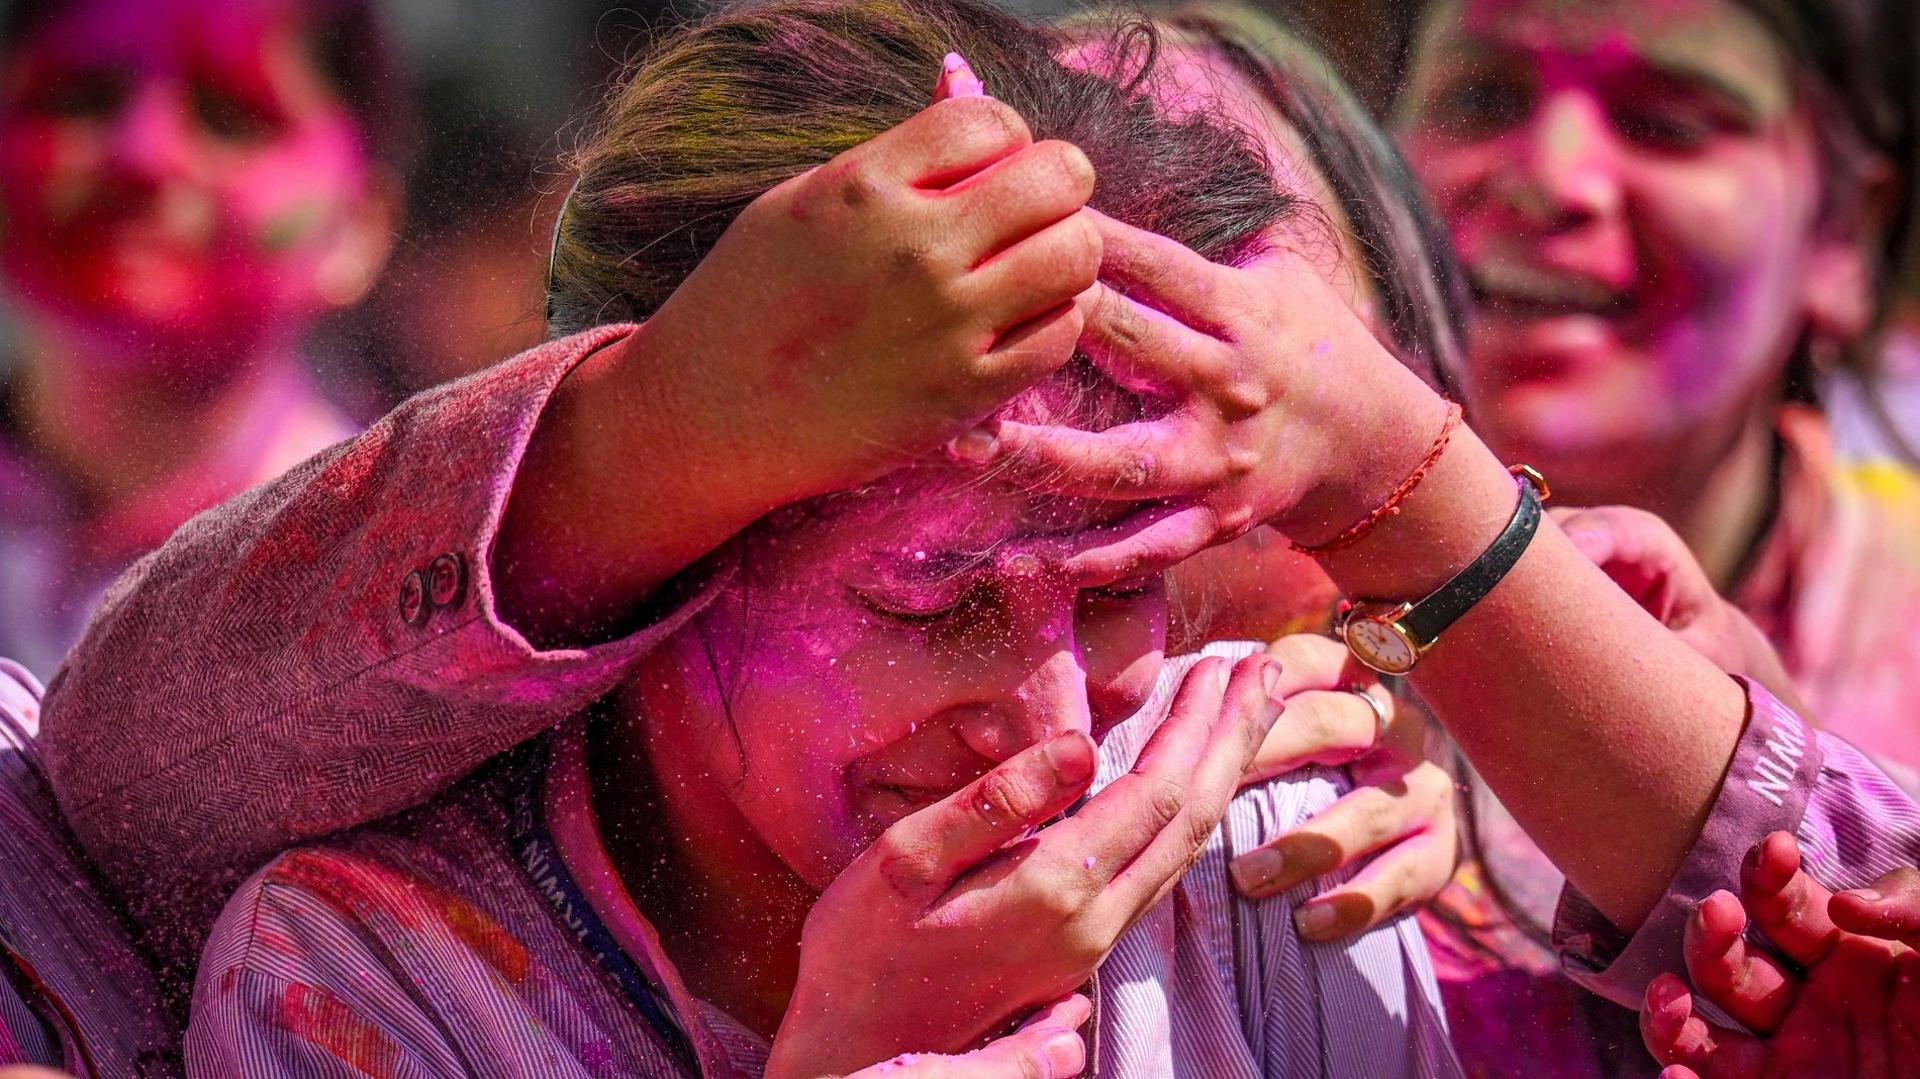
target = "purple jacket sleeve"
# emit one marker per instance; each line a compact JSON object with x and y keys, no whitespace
{"x":1853,"y":824}
{"x":74,"y":992}
{"x":272,"y":674}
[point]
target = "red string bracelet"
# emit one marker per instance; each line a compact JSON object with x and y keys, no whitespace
{"x":1399,"y":494}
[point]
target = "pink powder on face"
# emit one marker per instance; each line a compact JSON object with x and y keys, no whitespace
{"x":154,"y":211}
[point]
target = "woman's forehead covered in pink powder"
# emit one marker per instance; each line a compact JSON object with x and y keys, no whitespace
{"x":933,"y":522}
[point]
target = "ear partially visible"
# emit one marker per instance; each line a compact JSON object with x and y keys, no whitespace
{"x":1838,"y":290}
{"x":1840,"y":286}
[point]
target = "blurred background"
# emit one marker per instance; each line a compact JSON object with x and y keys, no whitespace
{"x":500,"y":86}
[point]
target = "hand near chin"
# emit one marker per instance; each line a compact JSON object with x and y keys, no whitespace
{"x":1397,"y":823}
{"x":1848,"y":1005}
{"x":962,"y":917}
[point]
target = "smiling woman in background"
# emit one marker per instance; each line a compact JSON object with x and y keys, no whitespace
{"x":1676,"y":216}
{"x":186,"y":186}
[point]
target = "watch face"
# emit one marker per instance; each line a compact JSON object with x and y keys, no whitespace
{"x":1380,"y":645}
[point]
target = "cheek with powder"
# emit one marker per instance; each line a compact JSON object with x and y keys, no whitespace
{"x":1730,"y":242}
{"x":778,"y":712}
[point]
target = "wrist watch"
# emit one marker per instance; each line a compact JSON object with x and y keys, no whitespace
{"x":1391,"y":637}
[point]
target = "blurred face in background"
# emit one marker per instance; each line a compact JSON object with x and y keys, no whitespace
{"x":1636,"y":191}
{"x":179,"y":180}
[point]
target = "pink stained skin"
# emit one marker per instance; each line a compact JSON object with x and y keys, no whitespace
{"x":852,"y":748}
{"x":1637,"y":194}
{"x":1849,"y":1006}
{"x":883,"y":657}
{"x":180,"y":187}
{"x":1259,"y":588}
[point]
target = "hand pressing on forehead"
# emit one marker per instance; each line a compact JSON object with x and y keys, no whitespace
{"x":1848,"y":1005}
{"x":963,"y":916}
{"x":893,"y":296}
{"x":1280,"y":406}
{"x":849,"y":320}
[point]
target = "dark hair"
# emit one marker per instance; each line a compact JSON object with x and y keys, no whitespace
{"x":349,"y":45}
{"x":1856,"y":65}
{"x":726,"y":109}
{"x":1423,"y":294}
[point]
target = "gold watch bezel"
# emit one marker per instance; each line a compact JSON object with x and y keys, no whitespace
{"x":1388,"y":615}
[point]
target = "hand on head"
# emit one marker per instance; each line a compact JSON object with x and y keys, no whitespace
{"x":894,"y":296}
{"x":1849,"y":1003}
{"x":1282,"y":408}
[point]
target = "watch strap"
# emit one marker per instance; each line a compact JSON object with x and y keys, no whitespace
{"x":1431,"y":616}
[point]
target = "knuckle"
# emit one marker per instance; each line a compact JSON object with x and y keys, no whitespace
{"x":1029,"y":1065}
{"x":1071,"y":167}
{"x":1001,"y":799}
{"x":1166,"y":797}
{"x":1374,"y":816}
{"x":903,"y":864}
{"x":1126,"y":327}
{"x":1242,"y":462}
{"x":1236,"y":521}
{"x":856,"y":184}
{"x":1240,"y":398}
{"x":1201,"y":821}
{"x":1137,"y":468}
{"x":998,"y":122}
{"x":914,"y":257}
{"x":1082,"y":248}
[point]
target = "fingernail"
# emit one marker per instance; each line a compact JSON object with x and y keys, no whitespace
{"x":1315,"y":920}
{"x":1270,"y":677}
{"x":960,"y":79}
{"x":1065,"y":1052}
{"x":977,"y":446}
{"x":1254,"y":869}
{"x":1067,"y":755}
{"x":1869,"y":895}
